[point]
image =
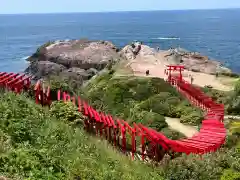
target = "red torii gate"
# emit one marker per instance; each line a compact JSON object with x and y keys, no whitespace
{"x":171,"y":68}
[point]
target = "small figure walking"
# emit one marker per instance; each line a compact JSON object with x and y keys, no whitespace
{"x":191,"y":79}
{"x":147,"y":72}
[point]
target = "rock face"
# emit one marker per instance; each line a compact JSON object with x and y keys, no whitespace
{"x":76,"y":59}
{"x":130,"y":52}
{"x":195,"y":62}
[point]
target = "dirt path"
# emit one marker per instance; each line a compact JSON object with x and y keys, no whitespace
{"x":175,"y":124}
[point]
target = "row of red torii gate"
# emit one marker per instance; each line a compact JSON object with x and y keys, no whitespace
{"x":128,"y":137}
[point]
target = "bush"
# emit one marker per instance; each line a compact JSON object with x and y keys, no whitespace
{"x":67,"y":112}
{"x":171,"y":134}
{"x":230,"y":74}
{"x":231,"y":140}
{"x":193,"y":118}
{"x":216,"y":95}
{"x":234,"y":100}
{"x":233,"y":137}
{"x":235,"y":128}
{"x":57,"y":83}
{"x":234,"y":106}
{"x":211,"y":166}
{"x":42,"y":48}
{"x":229,"y":174}
{"x":18,"y":118}
{"x":151,"y":119}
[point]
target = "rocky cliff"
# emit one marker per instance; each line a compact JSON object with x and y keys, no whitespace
{"x":75,"y":59}
{"x":196,"y":62}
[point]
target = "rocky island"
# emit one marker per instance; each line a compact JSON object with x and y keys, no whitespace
{"x":78,"y":59}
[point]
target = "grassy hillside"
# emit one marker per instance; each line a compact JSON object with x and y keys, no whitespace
{"x":41,"y":144}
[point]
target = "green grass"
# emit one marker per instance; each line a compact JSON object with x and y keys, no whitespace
{"x":38,"y":144}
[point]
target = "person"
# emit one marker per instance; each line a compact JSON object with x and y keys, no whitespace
{"x":147,"y":72}
{"x":191,"y":79}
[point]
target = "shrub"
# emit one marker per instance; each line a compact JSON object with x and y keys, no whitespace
{"x":67,"y":112}
{"x":233,"y":137}
{"x":234,"y":106}
{"x":234,"y":100}
{"x":171,"y":134}
{"x":18,"y":118}
{"x":151,"y":119}
{"x":230,"y":74}
{"x":229,"y":174}
{"x":211,"y":166}
{"x":56,"y":83}
{"x":193,"y":118}
{"x":218,"y":96}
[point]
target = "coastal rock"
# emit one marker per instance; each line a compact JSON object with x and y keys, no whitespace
{"x":147,"y":51}
{"x":92,"y":71}
{"x":41,"y":69}
{"x":127,"y":52}
{"x":76,"y":74}
{"x":195,"y":62}
{"x":130,"y":52}
{"x":70,"y":56}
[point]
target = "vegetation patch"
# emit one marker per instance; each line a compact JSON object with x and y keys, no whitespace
{"x":230,"y":99}
{"x":40,"y":144}
{"x":138,"y":99}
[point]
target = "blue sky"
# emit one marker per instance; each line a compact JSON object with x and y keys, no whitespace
{"x":52,"y":6}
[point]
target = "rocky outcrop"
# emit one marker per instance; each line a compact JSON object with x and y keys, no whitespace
{"x":130,"y":52}
{"x":77,"y":59}
{"x":195,"y":62}
{"x":41,"y":69}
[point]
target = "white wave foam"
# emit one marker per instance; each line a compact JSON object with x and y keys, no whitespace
{"x":25,"y":58}
{"x":167,"y":38}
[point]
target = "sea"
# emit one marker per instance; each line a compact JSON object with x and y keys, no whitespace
{"x":215,"y":33}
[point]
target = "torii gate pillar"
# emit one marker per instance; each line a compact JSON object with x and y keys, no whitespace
{"x":171,"y":68}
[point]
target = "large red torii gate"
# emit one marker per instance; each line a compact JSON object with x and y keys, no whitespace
{"x":171,"y":68}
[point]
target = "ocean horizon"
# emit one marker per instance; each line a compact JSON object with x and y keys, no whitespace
{"x":211,"y":32}
{"x":122,"y":11}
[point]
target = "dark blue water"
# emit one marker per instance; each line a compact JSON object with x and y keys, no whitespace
{"x":215,"y":33}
